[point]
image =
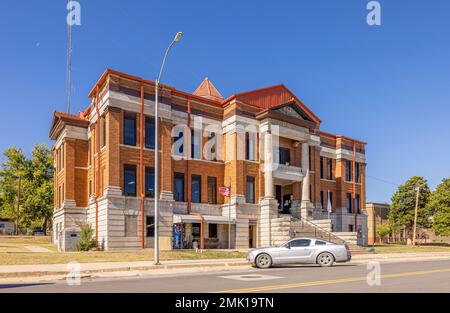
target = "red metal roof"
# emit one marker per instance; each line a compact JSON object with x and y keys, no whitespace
{"x":271,"y":97}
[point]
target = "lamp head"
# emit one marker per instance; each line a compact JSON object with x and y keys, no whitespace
{"x":178,"y":36}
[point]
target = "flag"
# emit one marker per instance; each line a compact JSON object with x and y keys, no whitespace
{"x":225,"y":191}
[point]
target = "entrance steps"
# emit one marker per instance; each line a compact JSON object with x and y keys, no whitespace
{"x":322,"y":229}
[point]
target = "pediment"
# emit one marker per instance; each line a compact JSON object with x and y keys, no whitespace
{"x":292,"y":110}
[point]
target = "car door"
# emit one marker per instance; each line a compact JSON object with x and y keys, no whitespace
{"x":296,"y":251}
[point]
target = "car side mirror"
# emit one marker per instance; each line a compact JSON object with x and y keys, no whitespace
{"x":288,"y":246}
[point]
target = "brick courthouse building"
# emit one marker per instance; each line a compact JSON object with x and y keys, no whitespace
{"x":266,"y":144}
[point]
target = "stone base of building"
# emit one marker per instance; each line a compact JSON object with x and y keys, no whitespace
{"x":237,"y":225}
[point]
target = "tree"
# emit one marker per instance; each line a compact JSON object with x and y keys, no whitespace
{"x":15,"y":165}
{"x":38,"y":188}
{"x":383,"y":230}
{"x":401,"y":215}
{"x":439,"y":205}
{"x":36,"y":205}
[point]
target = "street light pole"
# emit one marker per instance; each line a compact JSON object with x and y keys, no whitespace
{"x":158,"y":80}
{"x":415,"y":216}
{"x":18,"y":205}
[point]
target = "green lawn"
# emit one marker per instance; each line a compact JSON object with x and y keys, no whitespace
{"x":394,"y":248}
{"x":13,"y":252}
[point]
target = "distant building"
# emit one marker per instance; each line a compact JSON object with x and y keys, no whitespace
{"x":377,"y":214}
{"x":7,"y":227}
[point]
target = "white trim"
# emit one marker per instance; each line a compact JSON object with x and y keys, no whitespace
{"x":72,"y":132}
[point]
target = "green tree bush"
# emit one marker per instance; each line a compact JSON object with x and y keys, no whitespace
{"x":401,"y":214}
{"x":439,"y":205}
{"x":86,"y":242}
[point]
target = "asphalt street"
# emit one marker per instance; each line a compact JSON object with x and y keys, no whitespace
{"x":430,"y":276}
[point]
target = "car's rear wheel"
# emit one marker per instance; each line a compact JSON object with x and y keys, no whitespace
{"x":325,"y":259}
{"x":263,"y":261}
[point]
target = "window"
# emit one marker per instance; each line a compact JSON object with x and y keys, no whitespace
{"x":150,"y":222}
{"x":149,"y":182}
{"x":60,"y":196}
{"x":103,"y":124}
{"x":322,"y":199}
{"x":90,"y":152}
{"x":357,"y":204}
{"x":320,"y":243}
{"x":310,"y":158}
{"x":178,"y":183}
{"x":131,"y":226}
{"x":212,"y":190}
{"x":351,"y":228}
{"x":196,"y":189}
{"x":196,"y":143}
{"x":61,"y":156}
{"x":329,"y":169}
{"x":180,"y":151}
{"x":212,"y":231}
{"x":357,"y":173}
{"x":149,"y":133}
{"x":349,"y":203}
{"x":331,"y":199}
{"x":129,"y":129}
{"x":129,"y":180}
{"x":90,"y":188}
{"x":300,"y":243}
{"x":285,"y":155}
{"x":250,"y":146}
{"x":196,"y":230}
{"x":322,"y":176}
{"x":212,"y":155}
{"x":348,"y":171}
{"x":250,"y":195}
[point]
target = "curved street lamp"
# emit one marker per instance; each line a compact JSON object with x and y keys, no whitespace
{"x":177,"y":38}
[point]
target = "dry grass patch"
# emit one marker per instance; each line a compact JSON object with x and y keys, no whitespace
{"x":393,"y":248}
{"x":21,"y":258}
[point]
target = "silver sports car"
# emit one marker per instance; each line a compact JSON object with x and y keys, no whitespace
{"x":300,"y":250}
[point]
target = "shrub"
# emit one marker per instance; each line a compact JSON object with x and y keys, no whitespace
{"x":86,"y":242}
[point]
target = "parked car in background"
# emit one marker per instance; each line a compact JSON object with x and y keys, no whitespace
{"x":300,"y":251}
{"x":38,"y":232}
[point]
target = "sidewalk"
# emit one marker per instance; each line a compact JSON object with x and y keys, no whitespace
{"x":117,"y":269}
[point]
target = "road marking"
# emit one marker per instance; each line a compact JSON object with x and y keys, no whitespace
{"x":330,"y":282}
{"x":251,"y":277}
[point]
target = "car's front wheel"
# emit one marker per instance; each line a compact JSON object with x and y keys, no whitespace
{"x":325,"y":259}
{"x":263,"y":261}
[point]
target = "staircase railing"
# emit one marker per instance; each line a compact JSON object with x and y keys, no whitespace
{"x":322,"y":231}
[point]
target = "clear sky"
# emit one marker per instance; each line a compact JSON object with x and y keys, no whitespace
{"x":388,"y":85}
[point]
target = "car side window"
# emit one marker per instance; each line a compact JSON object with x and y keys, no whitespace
{"x":320,"y":243}
{"x":300,"y":243}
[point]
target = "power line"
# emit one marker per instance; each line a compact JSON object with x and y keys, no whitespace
{"x":383,"y":180}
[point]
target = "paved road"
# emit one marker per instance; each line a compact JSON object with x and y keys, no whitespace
{"x":431,"y":276}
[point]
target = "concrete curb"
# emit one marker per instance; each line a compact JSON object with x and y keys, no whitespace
{"x":87,"y":273}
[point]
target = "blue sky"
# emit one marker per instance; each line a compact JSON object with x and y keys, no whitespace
{"x":387,"y":85}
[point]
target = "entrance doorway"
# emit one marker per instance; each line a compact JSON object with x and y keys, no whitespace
{"x":279,"y":197}
{"x":252,"y":236}
{"x":287,"y":204}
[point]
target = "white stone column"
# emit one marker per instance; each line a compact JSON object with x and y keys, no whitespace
{"x":306,"y":199}
{"x":268,"y":204}
{"x":268,"y":162}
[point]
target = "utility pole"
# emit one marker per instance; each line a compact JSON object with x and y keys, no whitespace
{"x":18,"y":205}
{"x":69,"y":66}
{"x":415,"y":216}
